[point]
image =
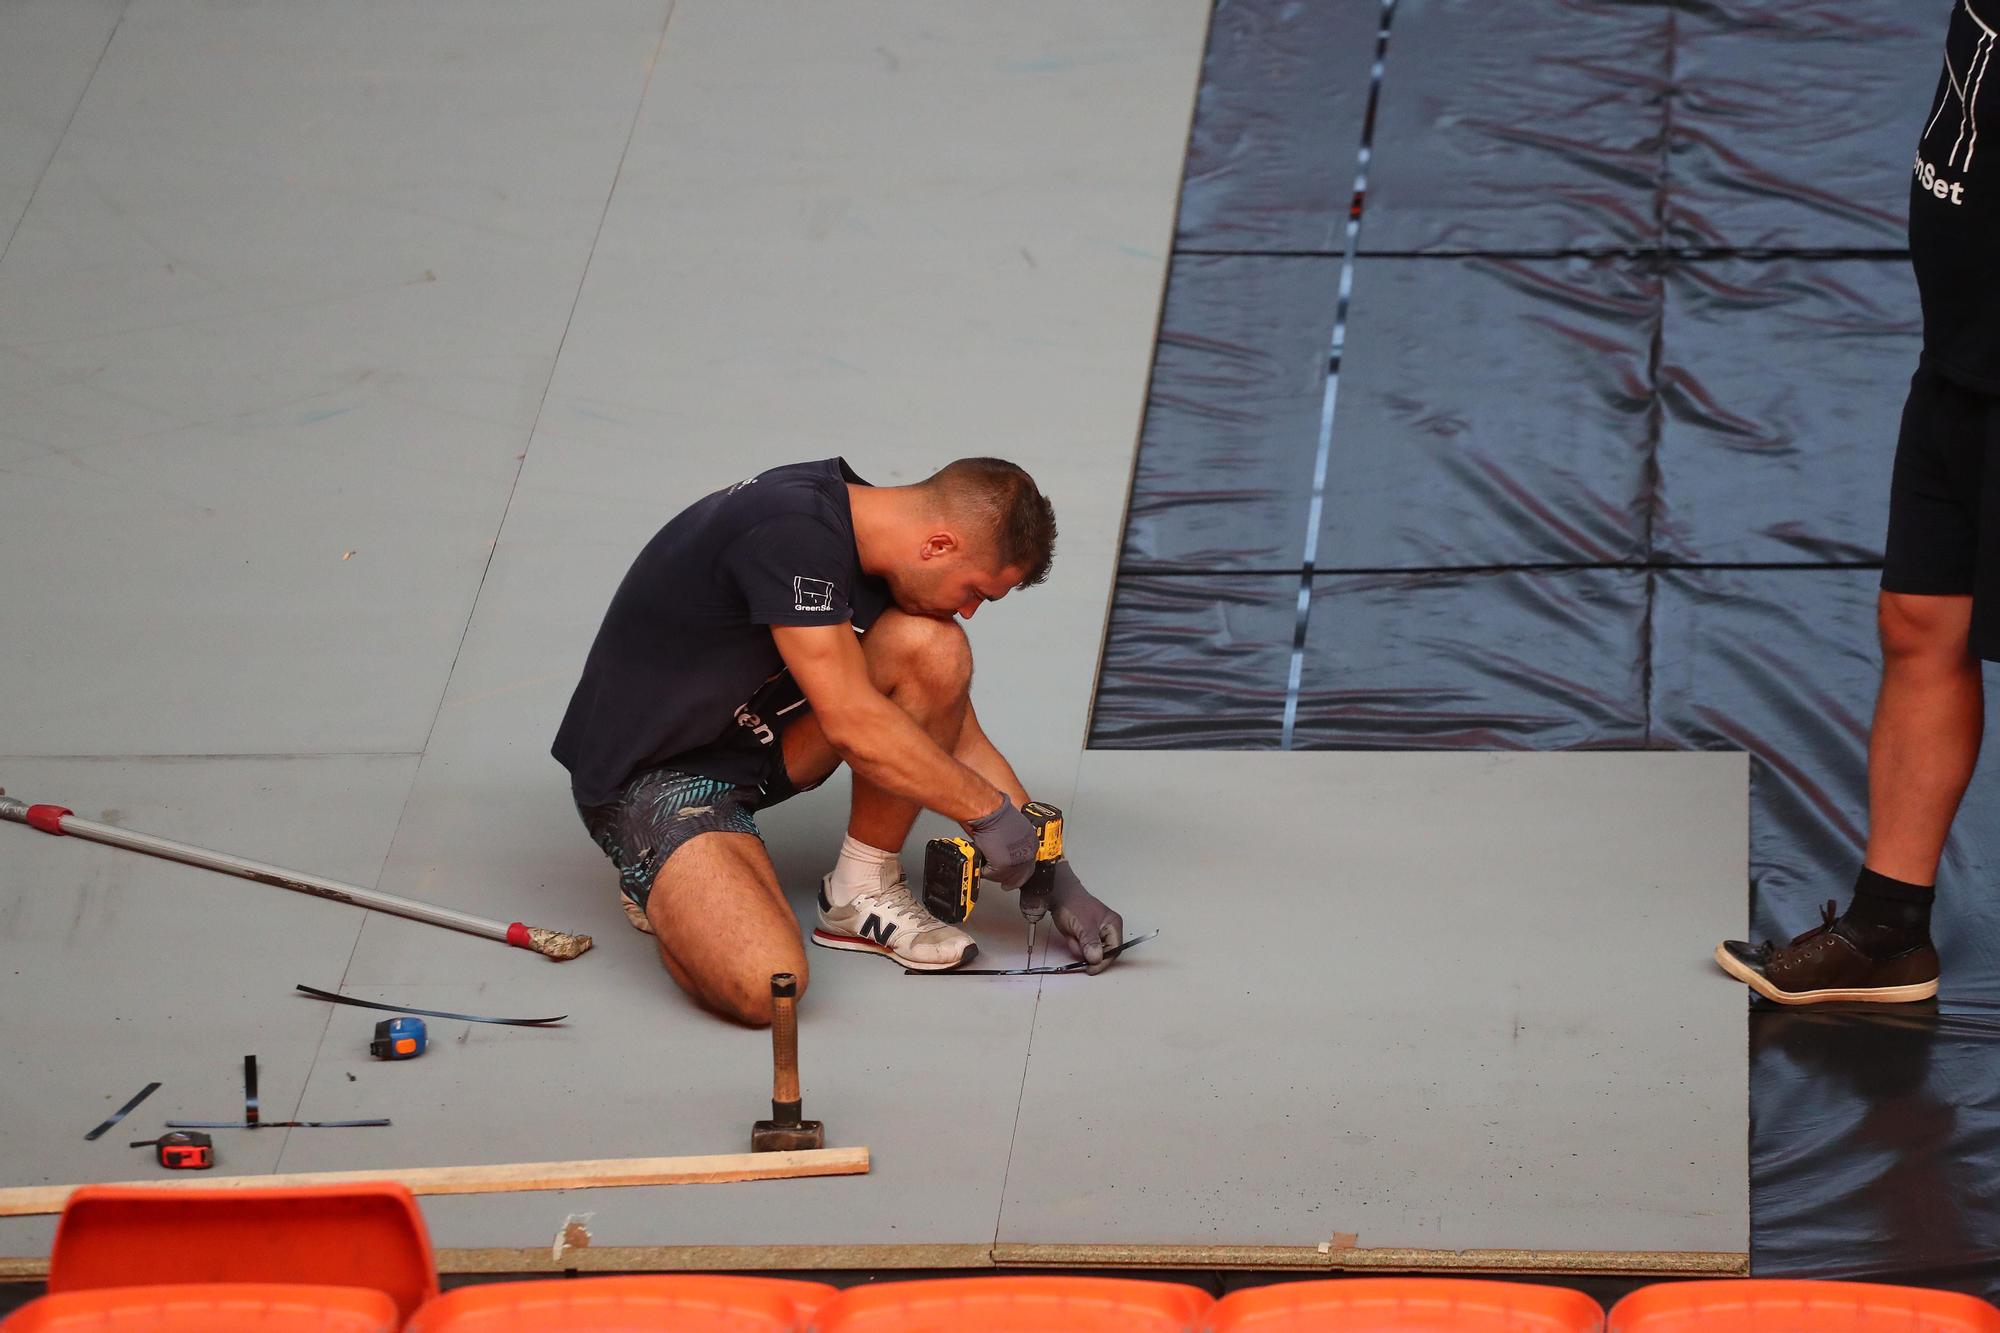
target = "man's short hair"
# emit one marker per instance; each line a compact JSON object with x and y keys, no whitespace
{"x":1005,"y":499}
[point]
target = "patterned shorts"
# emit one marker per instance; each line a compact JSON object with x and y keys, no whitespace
{"x":657,"y":812}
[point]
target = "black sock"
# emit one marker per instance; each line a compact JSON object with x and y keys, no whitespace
{"x":1888,"y":915}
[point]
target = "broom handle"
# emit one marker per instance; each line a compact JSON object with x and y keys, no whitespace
{"x":58,"y":820}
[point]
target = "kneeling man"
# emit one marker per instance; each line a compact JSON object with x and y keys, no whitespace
{"x":769,"y":632}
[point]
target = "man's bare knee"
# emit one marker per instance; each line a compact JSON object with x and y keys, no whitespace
{"x":747,"y":998}
{"x":1918,"y":630}
{"x":927,"y":652}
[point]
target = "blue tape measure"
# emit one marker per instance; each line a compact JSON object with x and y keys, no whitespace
{"x":399,"y":1039}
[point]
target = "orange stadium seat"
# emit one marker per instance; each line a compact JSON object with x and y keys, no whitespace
{"x":1405,"y":1304}
{"x":671,"y":1303}
{"x":369,"y":1235}
{"x":201,"y":1307}
{"x":1773,"y":1305}
{"x":991,"y":1304}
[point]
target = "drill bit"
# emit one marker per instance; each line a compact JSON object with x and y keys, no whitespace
{"x":1031,"y":940}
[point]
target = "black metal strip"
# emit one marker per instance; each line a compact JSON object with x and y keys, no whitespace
{"x":251,"y":1113}
{"x":1329,"y":399}
{"x":319,"y":994}
{"x":1684,"y":254}
{"x":122,"y":1112}
{"x":274,"y":1124}
{"x":1132,"y":943}
{"x":1529,"y":567}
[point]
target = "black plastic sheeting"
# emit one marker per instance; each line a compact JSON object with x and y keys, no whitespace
{"x":1504,"y":412}
{"x":1781,"y":384}
{"x":1196,"y":663}
{"x":1492,"y":412}
{"x":1498,"y":661}
{"x":1872,"y":1142}
{"x":1606,"y":124}
{"x":1270,"y":164}
{"x":1224,"y":477}
{"x":1794,"y":124}
{"x":1534,"y":124}
{"x":1607,"y":467}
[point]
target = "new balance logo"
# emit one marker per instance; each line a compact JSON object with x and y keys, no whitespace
{"x":878,"y":929}
{"x":811,"y":594}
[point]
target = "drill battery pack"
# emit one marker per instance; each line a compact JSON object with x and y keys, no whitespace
{"x":951,"y":878}
{"x":952,"y":866}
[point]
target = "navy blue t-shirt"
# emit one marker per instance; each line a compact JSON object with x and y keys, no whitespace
{"x":686,"y":646}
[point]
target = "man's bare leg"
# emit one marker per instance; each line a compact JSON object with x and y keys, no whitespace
{"x":1924,"y":744}
{"x":723,"y":925}
{"x":924,"y":666}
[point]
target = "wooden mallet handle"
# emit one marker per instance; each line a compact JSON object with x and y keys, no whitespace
{"x":785,"y":1100}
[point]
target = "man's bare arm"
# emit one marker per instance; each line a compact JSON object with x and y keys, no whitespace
{"x":864,"y":726}
{"x":978,"y":754}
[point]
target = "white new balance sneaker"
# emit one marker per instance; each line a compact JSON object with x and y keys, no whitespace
{"x":890,"y":921}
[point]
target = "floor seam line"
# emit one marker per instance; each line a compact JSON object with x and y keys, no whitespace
{"x":555,"y":364}
{"x":56,"y":151}
{"x":1013,"y":1139}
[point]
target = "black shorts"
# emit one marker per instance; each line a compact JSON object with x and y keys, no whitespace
{"x":1944,"y":502}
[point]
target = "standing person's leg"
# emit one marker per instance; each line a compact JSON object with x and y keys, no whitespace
{"x":1930,"y":711}
{"x":1929,"y":717}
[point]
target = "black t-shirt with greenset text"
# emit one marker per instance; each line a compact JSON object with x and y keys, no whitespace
{"x":1955,"y":205}
{"x":686,"y":645}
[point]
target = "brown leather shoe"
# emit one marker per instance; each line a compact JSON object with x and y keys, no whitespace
{"x":1823,"y":965}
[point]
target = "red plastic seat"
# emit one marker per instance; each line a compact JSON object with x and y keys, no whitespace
{"x":221,"y":1307}
{"x":1404,"y":1304}
{"x":1777,"y":1305}
{"x":368,"y":1235}
{"x":990,"y":1304}
{"x":684,"y":1303}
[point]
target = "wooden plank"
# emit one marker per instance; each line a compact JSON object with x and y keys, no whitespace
{"x":1116,"y":1258}
{"x":865,"y":1258}
{"x":27,"y":1200}
{"x":1334,"y":1258}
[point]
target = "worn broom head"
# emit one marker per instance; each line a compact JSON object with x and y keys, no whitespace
{"x":554,"y":944}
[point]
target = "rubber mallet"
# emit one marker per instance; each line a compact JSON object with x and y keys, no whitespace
{"x":784,"y":1131}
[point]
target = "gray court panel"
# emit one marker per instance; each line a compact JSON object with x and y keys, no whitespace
{"x":1783,"y":456}
{"x":122,"y":969}
{"x":1520,"y":126}
{"x":1224,"y":475}
{"x":48,"y":50}
{"x":1794,"y":125}
{"x":1367,"y":1012}
{"x":277,"y":327}
{"x":1492,"y":412}
{"x":849,"y":213}
{"x":1497,"y":660}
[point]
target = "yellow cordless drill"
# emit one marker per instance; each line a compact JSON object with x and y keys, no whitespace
{"x":952,"y":867}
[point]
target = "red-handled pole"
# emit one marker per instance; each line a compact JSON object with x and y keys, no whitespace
{"x":61,"y":821}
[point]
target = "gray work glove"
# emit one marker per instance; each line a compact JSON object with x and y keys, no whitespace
{"x":1007,"y":840}
{"x":1090,"y":927}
